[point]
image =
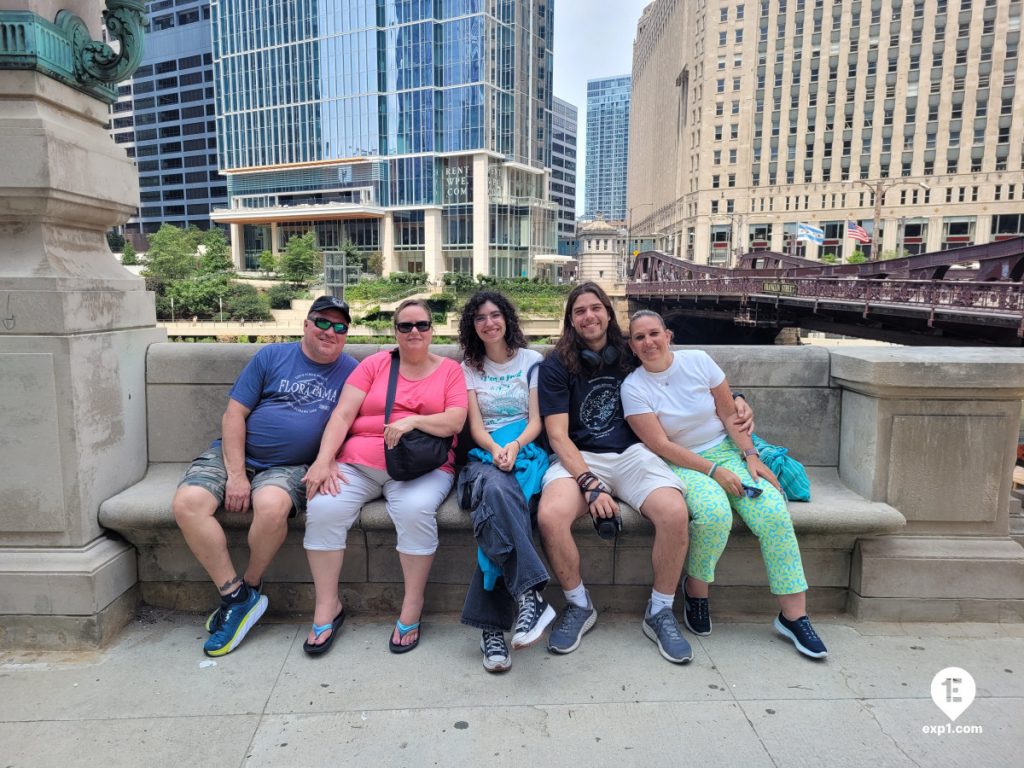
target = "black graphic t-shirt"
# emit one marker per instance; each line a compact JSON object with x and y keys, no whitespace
{"x":591,"y":399}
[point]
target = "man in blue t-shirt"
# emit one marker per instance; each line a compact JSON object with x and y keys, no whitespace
{"x":271,"y":431}
{"x":599,"y":455}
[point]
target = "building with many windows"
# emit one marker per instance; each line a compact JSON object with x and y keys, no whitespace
{"x":608,"y":105}
{"x":751,"y":117}
{"x":164,"y":118}
{"x":563,"y":170}
{"x":419,"y":129}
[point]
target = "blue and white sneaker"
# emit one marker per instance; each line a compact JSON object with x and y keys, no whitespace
{"x":663,"y":629}
{"x":572,"y":623}
{"x":803,"y":636}
{"x":236,"y":621}
{"x":216,"y":618}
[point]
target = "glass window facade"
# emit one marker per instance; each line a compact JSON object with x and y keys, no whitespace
{"x":381,"y":103}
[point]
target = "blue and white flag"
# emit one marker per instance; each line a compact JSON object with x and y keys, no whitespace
{"x":810,"y":233}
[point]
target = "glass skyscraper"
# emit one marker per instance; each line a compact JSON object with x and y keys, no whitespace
{"x":607,"y":147}
{"x":414,"y":128}
{"x":164,"y":118}
{"x":563,"y":171}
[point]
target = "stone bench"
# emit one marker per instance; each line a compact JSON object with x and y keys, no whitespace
{"x":789,"y":387}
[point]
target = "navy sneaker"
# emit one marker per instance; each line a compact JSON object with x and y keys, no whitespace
{"x":532,"y":619}
{"x":696,"y":613}
{"x":663,"y":630}
{"x":215,"y":619}
{"x":492,"y":646}
{"x":803,"y":636}
{"x":236,"y":621}
{"x":570,"y":626}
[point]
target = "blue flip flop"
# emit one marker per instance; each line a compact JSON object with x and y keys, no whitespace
{"x":316,"y":649}
{"x":404,"y":630}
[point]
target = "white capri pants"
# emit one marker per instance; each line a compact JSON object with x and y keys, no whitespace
{"x":411,"y":504}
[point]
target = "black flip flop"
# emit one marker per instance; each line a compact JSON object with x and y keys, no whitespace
{"x":316,"y":649}
{"x":404,"y":630}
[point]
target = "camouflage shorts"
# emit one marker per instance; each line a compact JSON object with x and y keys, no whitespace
{"x":208,"y":471}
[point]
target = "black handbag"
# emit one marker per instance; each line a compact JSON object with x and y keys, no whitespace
{"x":417,"y":452}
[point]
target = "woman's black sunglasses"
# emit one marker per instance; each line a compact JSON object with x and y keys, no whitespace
{"x":323,"y":324}
{"x":420,"y":325}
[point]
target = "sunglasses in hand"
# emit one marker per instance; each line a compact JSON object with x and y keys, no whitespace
{"x":323,"y":324}
{"x":751,"y":492}
{"x":420,"y":325}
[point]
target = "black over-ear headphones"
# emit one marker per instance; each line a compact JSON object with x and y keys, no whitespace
{"x":593,"y":360}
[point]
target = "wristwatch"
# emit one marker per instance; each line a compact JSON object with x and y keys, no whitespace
{"x":751,"y":452}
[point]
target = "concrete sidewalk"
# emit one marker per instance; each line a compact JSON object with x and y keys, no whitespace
{"x":748,"y":699}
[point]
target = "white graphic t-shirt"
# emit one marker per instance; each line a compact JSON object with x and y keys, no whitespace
{"x":502,"y":390}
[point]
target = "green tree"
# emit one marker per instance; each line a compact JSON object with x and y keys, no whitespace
{"x":857,"y":257}
{"x":887,"y":255}
{"x":281,"y":296}
{"x":128,"y":256}
{"x":198,"y":296}
{"x":170,"y":255}
{"x":115,"y":240}
{"x":215,"y":253}
{"x":268,"y":263}
{"x":301,"y":262}
{"x":375,"y":263}
{"x":353,"y":256}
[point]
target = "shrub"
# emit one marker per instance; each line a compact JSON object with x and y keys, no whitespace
{"x":244,"y":302}
{"x":280,"y":296}
{"x":128,"y":256}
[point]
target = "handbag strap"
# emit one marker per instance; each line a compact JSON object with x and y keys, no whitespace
{"x":392,"y":386}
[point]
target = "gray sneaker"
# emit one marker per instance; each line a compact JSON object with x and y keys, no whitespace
{"x":492,"y":646}
{"x":570,"y":626}
{"x":663,"y":629}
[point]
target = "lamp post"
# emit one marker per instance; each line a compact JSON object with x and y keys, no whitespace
{"x":878,"y":189}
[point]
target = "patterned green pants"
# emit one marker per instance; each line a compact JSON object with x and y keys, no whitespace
{"x":766,"y":516}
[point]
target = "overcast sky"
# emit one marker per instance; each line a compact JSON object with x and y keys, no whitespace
{"x":592,"y":40}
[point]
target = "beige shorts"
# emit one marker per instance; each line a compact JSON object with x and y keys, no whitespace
{"x":631,"y":475}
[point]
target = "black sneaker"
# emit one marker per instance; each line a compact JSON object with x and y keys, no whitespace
{"x":533,"y":618}
{"x":492,"y":646}
{"x":803,"y":636}
{"x":696,"y":613}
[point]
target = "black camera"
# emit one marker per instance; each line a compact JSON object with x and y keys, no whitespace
{"x":607,"y":527}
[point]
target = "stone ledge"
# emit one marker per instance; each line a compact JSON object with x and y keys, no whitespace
{"x":142,"y":510}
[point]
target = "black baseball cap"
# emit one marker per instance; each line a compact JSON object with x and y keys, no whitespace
{"x":331,"y":302}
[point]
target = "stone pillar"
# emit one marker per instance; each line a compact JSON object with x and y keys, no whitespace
{"x":275,"y":244}
{"x":387,"y":243}
{"x":74,"y":329}
{"x":238,"y":246}
{"x":433,"y":253}
{"x":932,"y":432}
{"x":481,"y":216}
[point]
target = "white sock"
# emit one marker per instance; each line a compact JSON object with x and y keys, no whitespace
{"x":577,"y":596}
{"x":660,"y":601}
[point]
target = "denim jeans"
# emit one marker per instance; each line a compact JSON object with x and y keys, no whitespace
{"x":502,"y":529}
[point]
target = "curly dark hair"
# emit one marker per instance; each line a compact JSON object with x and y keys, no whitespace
{"x":472,"y":347}
{"x":569,"y":345}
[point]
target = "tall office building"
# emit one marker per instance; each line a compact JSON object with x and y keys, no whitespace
{"x":164,"y":117}
{"x":752,"y":117}
{"x":607,"y":147}
{"x":563,"y":170}
{"x":419,"y":129}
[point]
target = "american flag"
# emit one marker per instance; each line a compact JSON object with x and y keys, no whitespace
{"x":857,"y":232}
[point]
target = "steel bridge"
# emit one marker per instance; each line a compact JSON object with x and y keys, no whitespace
{"x":972,"y":295}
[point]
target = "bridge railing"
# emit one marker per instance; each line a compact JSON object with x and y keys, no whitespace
{"x":1006,"y":297}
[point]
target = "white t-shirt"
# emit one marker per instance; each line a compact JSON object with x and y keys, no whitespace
{"x":681,"y":398}
{"x":502,"y":390}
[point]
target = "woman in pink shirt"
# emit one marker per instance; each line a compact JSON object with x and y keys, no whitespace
{"x":350,"y":470}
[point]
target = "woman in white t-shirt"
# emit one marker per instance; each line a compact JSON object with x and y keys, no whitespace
{"x":680,"y":405}
{"x":503,"y":474}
